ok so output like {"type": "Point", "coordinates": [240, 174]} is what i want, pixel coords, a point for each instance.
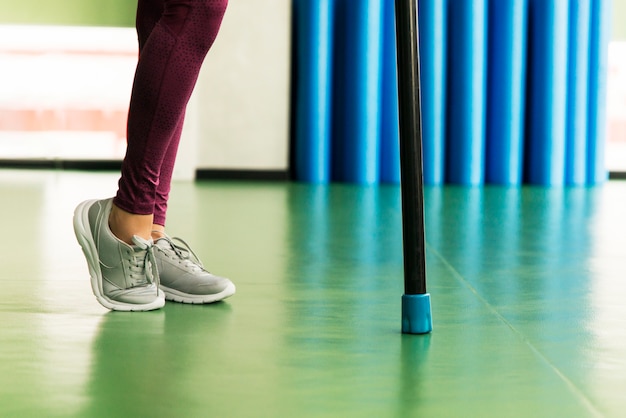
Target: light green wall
{"type": "Point", "coordinates": [619, 20]}
{"type": "Point", "coordinates": [69, 12]}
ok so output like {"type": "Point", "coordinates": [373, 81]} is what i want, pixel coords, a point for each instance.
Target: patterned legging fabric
{"type": "Point", "coordinates": [174, 38]}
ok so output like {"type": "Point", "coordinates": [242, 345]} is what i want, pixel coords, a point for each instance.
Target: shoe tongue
{"type": "Point", "coordinates": [163, 243]}
{"type": "Point", "coordinates": [168, 245]}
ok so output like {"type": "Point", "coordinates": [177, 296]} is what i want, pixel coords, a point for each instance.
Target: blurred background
{"type": "Point", "coordinates": [67, 70]}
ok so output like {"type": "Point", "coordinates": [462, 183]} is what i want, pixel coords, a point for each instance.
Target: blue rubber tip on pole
{"type": "Point", "coordinates": [417, 317]}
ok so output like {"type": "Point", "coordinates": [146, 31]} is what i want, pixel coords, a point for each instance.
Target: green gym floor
{"type": "Point", "coordinates": [528, 289]}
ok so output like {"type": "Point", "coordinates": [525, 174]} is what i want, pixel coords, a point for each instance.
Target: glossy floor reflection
{"type": "Point", "coordinates": [527, 286]}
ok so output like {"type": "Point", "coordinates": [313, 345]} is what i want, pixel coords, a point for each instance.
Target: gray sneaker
{"type": "Point", "coordinates": [123, 277]}
{"type": "Point", "coordinates": [182, 276]}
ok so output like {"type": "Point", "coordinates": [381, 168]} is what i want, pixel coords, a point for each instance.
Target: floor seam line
{"type": "Point", "coordinates": [590, 405]}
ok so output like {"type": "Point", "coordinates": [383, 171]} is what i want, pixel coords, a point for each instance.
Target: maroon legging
{"type": "Point", "coordinates": [174, 37]}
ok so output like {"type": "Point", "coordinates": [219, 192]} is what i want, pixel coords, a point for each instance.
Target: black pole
{"type": "Point", "coordinates": [416, 316]}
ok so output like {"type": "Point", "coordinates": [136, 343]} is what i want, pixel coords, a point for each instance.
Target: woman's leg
{"type": "Point", "coordinates": [148, 14]}
{"type": "Point", "coordinates": [115, 234]}
{"type": "Point", "coordinates": [169, 63]}
{"type": "Point", "coordinates": [163, 190]}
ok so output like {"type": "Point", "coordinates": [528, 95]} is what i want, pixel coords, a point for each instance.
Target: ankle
{"type": "Point", "coordinates": [124, 225]}
{"type": "Point", "coordinates": [158, 231]}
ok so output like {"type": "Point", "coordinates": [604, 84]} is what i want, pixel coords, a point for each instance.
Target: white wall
{"type": "Point", "coordinates": [238, 118]}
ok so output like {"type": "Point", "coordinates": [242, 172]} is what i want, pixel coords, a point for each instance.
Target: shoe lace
{"type": "Point", "coordinates": [183, 251]}
{"type": "Point", "coordinates": [143, 262]}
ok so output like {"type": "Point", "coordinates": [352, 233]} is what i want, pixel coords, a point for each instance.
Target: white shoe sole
{"type": "Point", "coordinates": [87, 243]}
{"type": "Point", "coordinates": [176, 296]}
